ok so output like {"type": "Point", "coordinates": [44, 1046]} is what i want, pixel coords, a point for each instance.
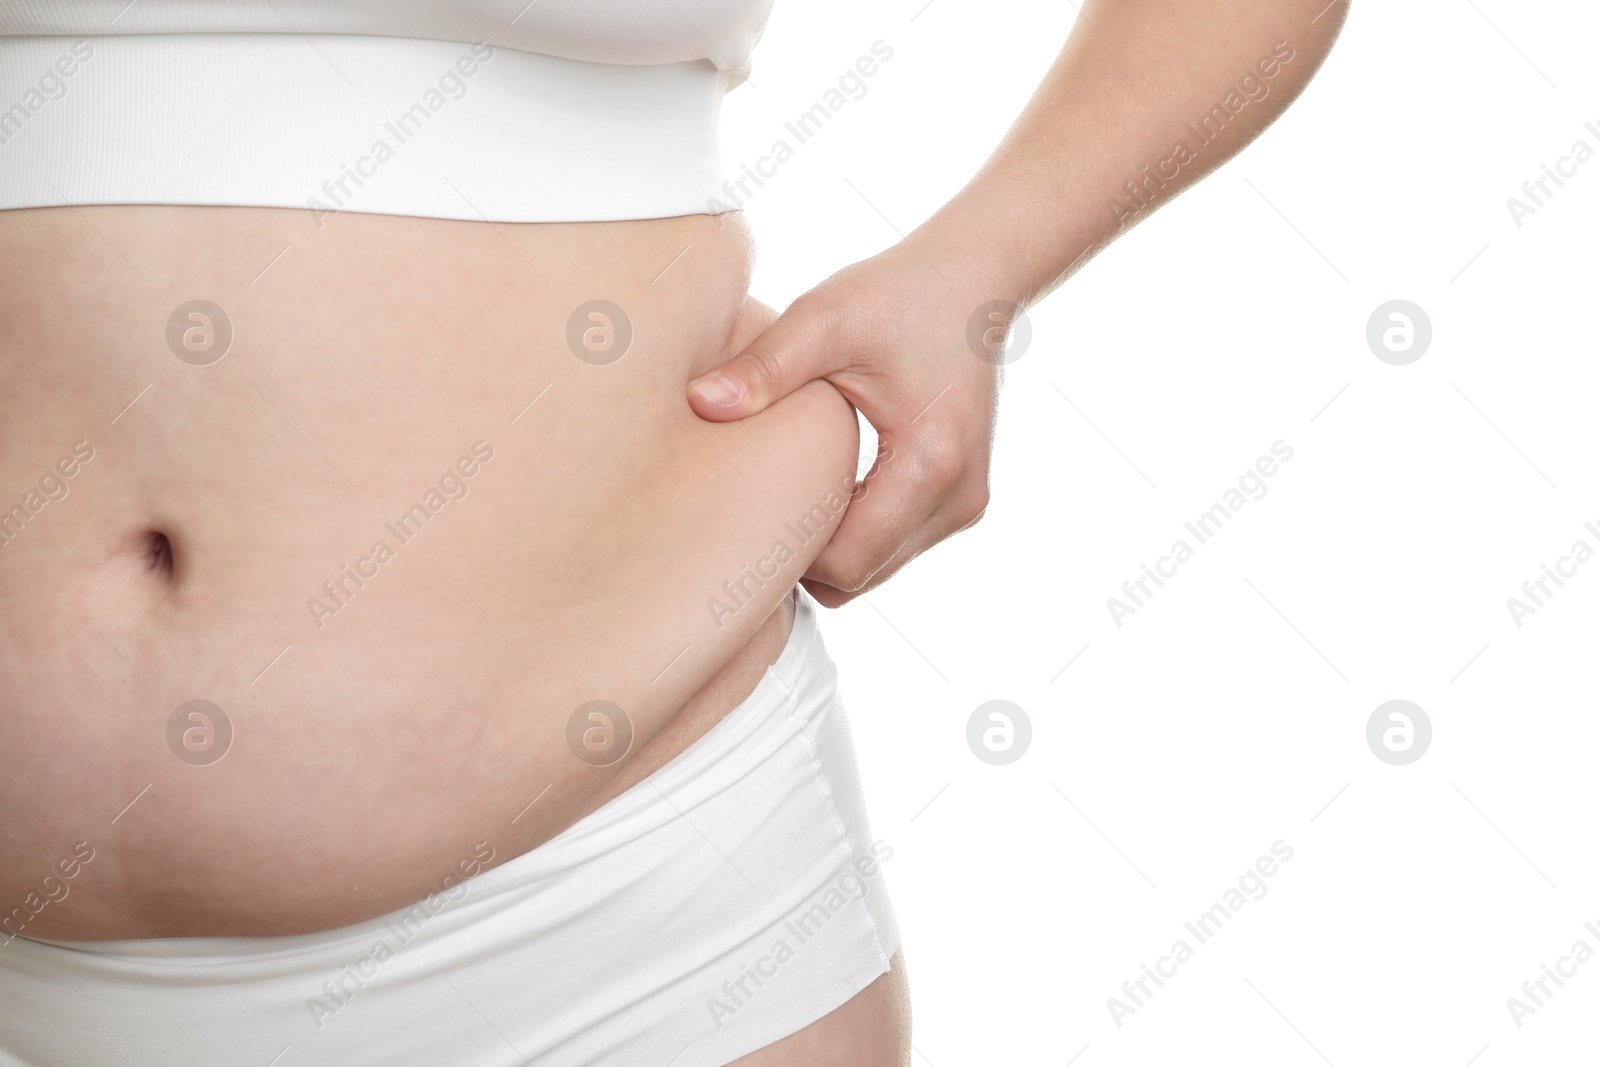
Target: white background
{"type": "Point", "coordinates": [1231, 711]}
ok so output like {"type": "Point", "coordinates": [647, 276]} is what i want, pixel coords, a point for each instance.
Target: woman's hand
{"type": "Point", "coordinates": [910, 336]}
{"type": "Point", "coordinates": [890, 333]}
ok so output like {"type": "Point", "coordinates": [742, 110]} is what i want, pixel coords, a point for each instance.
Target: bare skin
{"type": "Point", "coordinates": [432, 706]}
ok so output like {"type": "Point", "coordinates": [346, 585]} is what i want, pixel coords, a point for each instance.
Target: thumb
{"type": "Point", "coordinates": [782, 358]}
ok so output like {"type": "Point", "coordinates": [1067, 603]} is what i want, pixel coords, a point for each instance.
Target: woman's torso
{"type": "Point", "coordinates": [375, 486]}
{"type": "Point", "coordinates": [576, 524]}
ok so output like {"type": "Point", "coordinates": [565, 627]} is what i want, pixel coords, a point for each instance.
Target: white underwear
{"type": "Point", "coordinates": [728, 900]}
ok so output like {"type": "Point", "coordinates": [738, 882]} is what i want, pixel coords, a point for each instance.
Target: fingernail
{"type": "Point", "coordinates": [719, 390]}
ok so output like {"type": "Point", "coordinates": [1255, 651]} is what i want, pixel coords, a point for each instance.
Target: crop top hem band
{"type": "Point", "coordinates": [351, 122]}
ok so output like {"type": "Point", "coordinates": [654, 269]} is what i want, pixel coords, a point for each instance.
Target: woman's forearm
{"type": "Point", "coordinates": [1146, 98]}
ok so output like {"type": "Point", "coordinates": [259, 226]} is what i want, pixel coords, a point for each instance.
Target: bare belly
{"type": "Point", "coordinates": [401, 534]}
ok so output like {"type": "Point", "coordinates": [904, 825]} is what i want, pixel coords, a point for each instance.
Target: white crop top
{"type": "Point", "coordinates": [506, 110]}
